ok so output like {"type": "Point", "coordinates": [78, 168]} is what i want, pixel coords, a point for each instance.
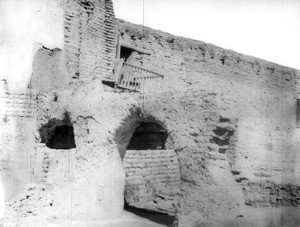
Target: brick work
{"type": "Point", "coordinates": [152, 179]}
{"type": "Point", "coordinates": [185, 59]}
{"type": "Point", "coordinates": [266, 193]}
{"type": "Point", "coordinates": [17, 105]}
{"type": "Point", "coordinates": [90, 40]}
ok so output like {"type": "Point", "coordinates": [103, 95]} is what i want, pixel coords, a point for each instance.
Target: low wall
{"type": "Point", "coordinates": [152, 179]}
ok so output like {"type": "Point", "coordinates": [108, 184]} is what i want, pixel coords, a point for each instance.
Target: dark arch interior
{"type": "Point", "coordinates": [125, 52]}
{"type": "Point", "coordinates": [58, 134]}
{"type": "Point", "coordinates": [148, 135]}
{"type": "Point", "coordinates": [62, 138]}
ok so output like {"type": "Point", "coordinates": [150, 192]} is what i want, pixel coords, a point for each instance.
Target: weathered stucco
{"type": "Point", "coordinates": [250, 142]}
{"type": "Point", "coordinates": [231, 152]}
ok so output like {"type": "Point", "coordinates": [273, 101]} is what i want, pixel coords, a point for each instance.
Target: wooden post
{"type": "Point", "coordinates": [119, 71]}
{"type": "Point", "coordinates": [118, 54]}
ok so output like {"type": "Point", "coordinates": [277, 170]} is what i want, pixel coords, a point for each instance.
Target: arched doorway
{"type": "Point", "coordinates": [148, 136]}
{"type": "Point", "coordinates": [152, 172]}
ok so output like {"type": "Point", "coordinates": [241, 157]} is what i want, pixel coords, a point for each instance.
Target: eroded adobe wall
{"type": "Point", "coordinates": [86, 181]}
{"type": "Point", "coordinates": [231, 119]}
{"type": "Point", "coordinates": [22, 37]}
{"type": "Point", "coordinates": [152, 179]}
{"type": "Point", "coordinates": [16, 124]}
{"type": "Point", "coordinates": [253, 134]}
{"type": "Point", "coordinates": [208, 189]}
{"type": "Point", "coordinates": [90, 177]}
{"type": "Point", "coordinates": [260, 94]}
{"type": "Point", "coordinates": [211, 191]}
{"type": "Point", "coordinates": [89, 39]}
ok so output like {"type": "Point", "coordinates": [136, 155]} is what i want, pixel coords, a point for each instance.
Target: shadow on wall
{"type": "Point", "coordinates": [148, 135]}
{"type": "Point", "coordinates": [159, 218]}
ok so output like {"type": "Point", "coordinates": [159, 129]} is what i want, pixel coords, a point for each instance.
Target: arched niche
{"type": "Point", "coordinates": [58, 134]}
{"type": "Point", "coordinates": [152, 175]}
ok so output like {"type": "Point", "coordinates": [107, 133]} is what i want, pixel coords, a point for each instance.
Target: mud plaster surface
{"type": "Point", "coordinates": [230, 120]}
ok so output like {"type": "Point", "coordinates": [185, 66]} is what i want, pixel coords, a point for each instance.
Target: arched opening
{"type": "Point", "coordinates": [148, 135]}
{"type": "Point", "coordinates": [152, 174]}
{"type": "Point", "coordinates": [58, 134]}
{"type": "Point", "coordinates": [62, 138]}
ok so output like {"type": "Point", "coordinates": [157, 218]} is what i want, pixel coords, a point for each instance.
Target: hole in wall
{"type": "Point", "coordinates": [58, 134]}
{"type": "Point", "coordinates": [125, 52]}
{"type": "Point", "coordinates": [109, 83]}
{"type": "Point", "coordinates": [222, 119]}
{"type": "Point", "coordinates": [222, 136]}
{"type": "Point", "coordinates": [62, 138]}
{"type": "Point", "coordinates": [170, 40]}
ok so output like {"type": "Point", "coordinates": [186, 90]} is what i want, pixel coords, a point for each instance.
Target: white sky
{"type": "Point", "coordinates": [268, 29]}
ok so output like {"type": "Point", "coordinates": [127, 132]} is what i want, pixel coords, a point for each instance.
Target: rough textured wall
{"type": "Point", "coordinates": [152, 179]}
{"type": "Point", "coordinates": [16, 141]}
{"type": "Point", "coordinates": [89, 39]}
{"type": "Point", "coordinates": [21, 37]}
{"type": "Point", "coordinates": [253, 130]}
{"type": "Point", "coordinates": [87, 181]}
{"type": "Point", "coordinates": [49, 71]}
{"type": "Point", "coordinates": [83, 183]}
{"type": "Point", "coordinates": [260, 94]}
{"type": "Point", "coordinates": [208, 188]}
{"type": "Point", "coordinates": [230, 119]}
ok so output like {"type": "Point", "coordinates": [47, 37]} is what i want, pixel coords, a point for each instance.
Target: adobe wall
{"type": "Point", "coordinates": [17, 122]}
{"type": "Point", "coordinates": [152, 179]}
{"type": "Point", "coordinates": [230, 119]}
{"type": "Point", "coordinates": [260, 95]}
{"type": "Point", "coordinates": [57, 77]}
{"type": "Point", "coordinates": [89, 39]}
{"type": "Point", "coordinates": [21, 36]}
{"type": "Point", "coordinates": [252, 130]}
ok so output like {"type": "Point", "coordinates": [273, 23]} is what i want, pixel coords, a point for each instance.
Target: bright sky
{"type": "Point", "coordinates": [268, 29]}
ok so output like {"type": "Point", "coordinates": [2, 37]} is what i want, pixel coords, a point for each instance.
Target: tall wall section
{"type": "Point", "coordinates": [89, 39]}
{"type": "Point", "coordinates": [55, 47]}
{"type": "Point", "coordinates": [253, 130]}
{"type": "Point", "coordinates": [81, 181]}
{"type": "Point", "coordinates": [21, 36]}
